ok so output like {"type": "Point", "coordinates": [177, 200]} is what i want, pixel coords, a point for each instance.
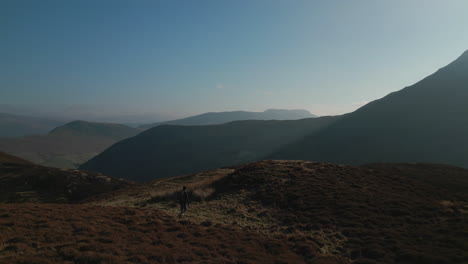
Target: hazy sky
{"type": "Point", "coordinates": [175, 58]}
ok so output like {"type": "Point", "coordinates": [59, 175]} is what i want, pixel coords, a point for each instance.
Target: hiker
{"type": "Point", "coordinates": [184, 201]}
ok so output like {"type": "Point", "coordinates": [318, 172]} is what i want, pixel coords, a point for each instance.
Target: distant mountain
{"type": "Point", "coordinates": [18, 126]}
{"type": "Point", "coordinates": [426, 122]}
{"type": "Point", "coordinates": [95, 129]}
{"type": "Point", "coordinates": [225, 117]}
{"type": "Point", "coordinates": [168, 150]}
{"type": "Point", "coordinates": [69, 145]}
{"type": "Point", "coordinates": [22, 181]}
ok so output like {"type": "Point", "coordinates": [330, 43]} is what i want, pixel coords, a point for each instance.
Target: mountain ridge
{"type": "Point", "coordinates": [214, 118]}
{"type": "Point", "coordinates": [420, 123]}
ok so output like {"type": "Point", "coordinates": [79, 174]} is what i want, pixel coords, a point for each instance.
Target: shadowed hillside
{"type": "Point", "coordinates": [365, 215]}
{"type": "Point", "coordinates": [24, 182]}
{"type": "Point", "coordinates": [69, 145]}
{"type": "Point", "coordinates": [166, 151]}
{"type": "Point", "coordinates": [425, 122]}
{"type": "Point", "coordinates": [225, 117]}
{"type": "Point", "coordinates": [452, 178]}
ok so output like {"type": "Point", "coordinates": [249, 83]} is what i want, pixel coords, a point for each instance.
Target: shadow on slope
{"type": "Point", "coordinates": [166, 151]}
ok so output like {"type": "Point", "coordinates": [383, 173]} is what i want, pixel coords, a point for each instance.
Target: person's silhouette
{"type": "Point", "coordinates": [184, 201]}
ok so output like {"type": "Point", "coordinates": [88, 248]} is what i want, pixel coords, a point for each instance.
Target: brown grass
{"type": "Point", "coordinates": [361, 214]}
{"type": "Point", "coordinates": [43, 233]}
{"type": "Point", "coordinates": [268, 212]}
{"type": "Point", "coordinates": [199, 191]}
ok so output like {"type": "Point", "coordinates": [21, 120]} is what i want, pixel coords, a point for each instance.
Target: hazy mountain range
{"type": "Point", "coordinates": [171, 150]}
{"type": "Point", "coordinates": [214, 118]}
{"type": "Point", "coordinates": [425, 122]}
{"type": "Point", "coordinates": [69, 145]}
{"type": "Point", "coordinates": [18, 125]}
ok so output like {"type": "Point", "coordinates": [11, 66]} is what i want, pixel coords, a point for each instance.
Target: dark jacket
{"type": "Point", "coordinates": [184, 198]}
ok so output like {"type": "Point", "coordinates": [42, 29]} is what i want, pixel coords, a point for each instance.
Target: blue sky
{"type": "Point", "coordinates": [166, 59]}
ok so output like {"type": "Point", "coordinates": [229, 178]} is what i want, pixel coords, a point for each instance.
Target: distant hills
{"type": "Point", "coordinates": [169, 150]}
{"type": "Point", "coordinates": [426, 122]}
{"type": "Point", "coordinates": [69, 145]}
{"type": "Point", "coordinates": [17, 125]}
{"type": "Point", "coordinates": [214, 118]}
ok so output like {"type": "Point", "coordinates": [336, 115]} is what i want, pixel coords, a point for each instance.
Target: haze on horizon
{"type": "Point", "coordinates": [157, 60]}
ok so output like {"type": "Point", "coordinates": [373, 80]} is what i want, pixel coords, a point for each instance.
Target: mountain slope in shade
{"type": "Point", "coordinates": [26, 182]}
{"type": "Point", "coordinates": [18, 126]}
{"type": "Point", "coordinates": [69, 145]}
{"type": "Point", "coordinates": [426, 122]}
{"type": "Point", "coordinates": [165, 151]}
{"type": "Point", "coordinates": [225, 117]}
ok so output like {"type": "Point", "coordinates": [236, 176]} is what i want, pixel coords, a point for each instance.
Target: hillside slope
{"type": "Point", "coordinates": [47, 233]}
{"type": "Point", "coordinates": [24, 182]}
{"type": "Point", "coordinates": [425, 122]}
{"type": "Point", "coordinates": [215, 118]}
{"type": "Point", "coordinates": [166, 151]}
{"type": "Point", "coordinates": [389, 214]}
{"type": "Point", "coordinates": [8, 158]}
{"type": "Point", "coordinates": [69, 145]}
